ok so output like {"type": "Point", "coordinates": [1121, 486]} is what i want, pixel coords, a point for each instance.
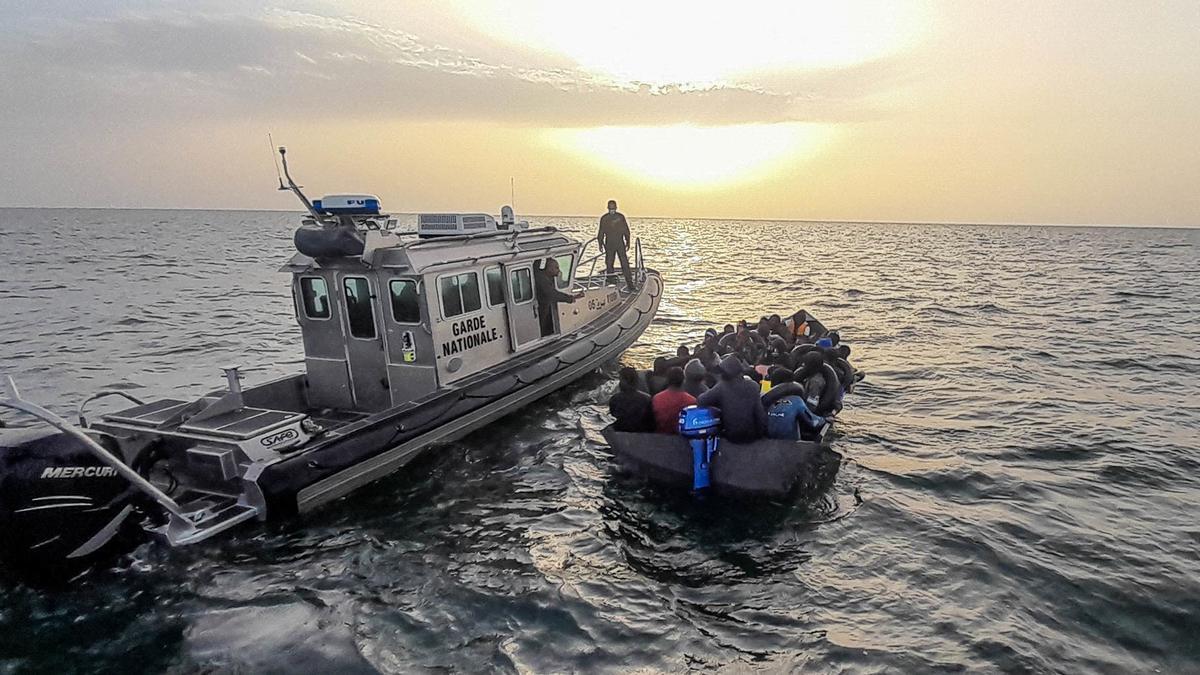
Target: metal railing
{"type": "Point", "coordinates": [104, 394]}
{"type": "Point", "coordinates": [592, 280]}
{"type": "Point", "coordinates": [14, 401]}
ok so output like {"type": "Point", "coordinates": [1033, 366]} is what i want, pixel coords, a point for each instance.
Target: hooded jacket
{"type": "Point", "coordinates": [694, 374]}
{"type": "Point", "coordinates": [742, 415]}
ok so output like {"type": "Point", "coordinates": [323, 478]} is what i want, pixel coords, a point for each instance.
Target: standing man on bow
{"type": "Point", "coordinates": [613, 239]}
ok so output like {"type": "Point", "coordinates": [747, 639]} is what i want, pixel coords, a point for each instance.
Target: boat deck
{"type": "Point", "coordinates": [236, 425]}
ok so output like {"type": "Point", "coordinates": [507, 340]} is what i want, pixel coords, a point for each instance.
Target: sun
{"type": "Point", "coordinates": [686, 156]}
{"type": "Point", "coordinates": [700, 42]}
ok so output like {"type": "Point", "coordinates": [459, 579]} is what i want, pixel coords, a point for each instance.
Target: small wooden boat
{"type": "Point", "coordinates": [764, 468]}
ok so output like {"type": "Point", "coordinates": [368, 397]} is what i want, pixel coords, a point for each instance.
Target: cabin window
{"type": "Point", "coordinates": [460, 294]}
{"type": "Point", "coordinates": [564, 270]}
{"type": "Point", "coordinates": [522, 285]}
{"type": "Point", "coordinates": [406, 306]}
{"type": "Point", "coordinates": [315, 295]}
{"type": "Point", "coordinates": [359, 313]}
{"type": "Point", "coordinates": [495, 286]}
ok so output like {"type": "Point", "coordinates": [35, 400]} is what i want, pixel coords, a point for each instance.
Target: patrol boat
{"type": "Point", "coordinates": [410, 339]}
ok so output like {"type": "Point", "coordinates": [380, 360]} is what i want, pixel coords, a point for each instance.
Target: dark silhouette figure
{"type": "Point", "coordinates": [613, 238]}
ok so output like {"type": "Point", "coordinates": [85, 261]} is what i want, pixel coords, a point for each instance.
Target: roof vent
{"type": "Point", "coordinates": [451, 224]}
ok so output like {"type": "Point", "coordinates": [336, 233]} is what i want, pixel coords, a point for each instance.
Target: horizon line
{"type": "Point", "coordinates": [1141, 226]}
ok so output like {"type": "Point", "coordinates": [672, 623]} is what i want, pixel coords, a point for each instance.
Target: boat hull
{"type": "Point", "coordinates": [765, 468]}
{"type": "Point", "coordinates": [383, 443]}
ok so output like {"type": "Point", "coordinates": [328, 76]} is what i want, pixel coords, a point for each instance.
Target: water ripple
{"type": "Point", "coordinates": [1018, 492]}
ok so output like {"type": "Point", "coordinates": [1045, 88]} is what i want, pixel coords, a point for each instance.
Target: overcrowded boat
{"type": "Point", "coordinates": [747, 412]}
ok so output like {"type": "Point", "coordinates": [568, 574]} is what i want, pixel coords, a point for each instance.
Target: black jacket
{"type": "Point", "coordinates": [743, 418]}
{"type": "Point", "coordinates": [548, 294]}
{"type": "Point", "coordinates": [632, 410]}
{"type": "Point", "coordinates": [614, 232]}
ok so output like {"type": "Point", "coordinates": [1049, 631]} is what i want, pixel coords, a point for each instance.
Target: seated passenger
{"type": "Point", "coordinates": [656, 379]}
{"type": "Point", "coordinates": [668, 402]}
{"type": "Point", "coordinates": [822, 390]}
{"type": "Point", "coordinates": [847, 375]}
{"type": "Point", "coordinates": [782, 384]}
{"type": "Point", "coordinates": [695, 377]}
{"type": "Point", "coordinates": [630, 406]}
{"type": "Point", "coordinates": [747, 344]}
{"type": "Point", "coordinates": [789, 416]}
{"type": "Point", "coordinates": [742, 414]}
{"type": "Point", "coordinates": [797, 326]}
{"type": "Point", "coordinates": [763, 328]}
{"type": "Point", "coordinates": [682, 356]}
{"type": "Point", "coordinates": [775, 323]}
{"type": "Point", "coordinates": [777, 351]}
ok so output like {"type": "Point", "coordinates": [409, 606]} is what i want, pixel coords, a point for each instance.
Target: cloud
{"type": "Point", "coordinates": [133, 66]}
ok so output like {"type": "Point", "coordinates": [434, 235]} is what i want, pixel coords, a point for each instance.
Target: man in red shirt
{"type": "Point", "coordinates": [668, 402]}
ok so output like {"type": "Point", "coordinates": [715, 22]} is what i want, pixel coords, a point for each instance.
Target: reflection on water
{"type": "Point", "coordinates": [1018, 494]}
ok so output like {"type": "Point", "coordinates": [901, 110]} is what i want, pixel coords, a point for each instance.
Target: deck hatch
{"type": "Point", "coordinates": [244, 423]}
{"type": "Point", "coordinates": [149, 415]}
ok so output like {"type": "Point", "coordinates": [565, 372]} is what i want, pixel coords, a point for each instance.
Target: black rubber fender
{"type": "Point", "coordinates": [608, 335]}
{"type": "Point", "coordinates": [829, 396]}
{"type": "Point", "coordinates": [577, 352]}
{"type": "Point", "coordinates": [538, 370]}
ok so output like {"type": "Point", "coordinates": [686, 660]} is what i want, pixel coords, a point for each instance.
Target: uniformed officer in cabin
{"type": "Point", "coordinates": [548, 295]}
{"type": "Point", "coordinates": [613, 238]}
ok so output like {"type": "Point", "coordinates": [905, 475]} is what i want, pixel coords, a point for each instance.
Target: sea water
{"type": "Point", "coordinates": [1020, 490]}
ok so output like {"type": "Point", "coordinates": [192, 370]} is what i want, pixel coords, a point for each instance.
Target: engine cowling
{"type": "Point", "coordinates": [59, 504]}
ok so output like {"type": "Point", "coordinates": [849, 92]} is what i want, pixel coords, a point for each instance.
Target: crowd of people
{"type": "Point", "coordinates": [777, 378]}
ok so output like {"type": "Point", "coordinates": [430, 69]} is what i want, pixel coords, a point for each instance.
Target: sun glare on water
{"type": "Point", "coordinates": [687, 156]}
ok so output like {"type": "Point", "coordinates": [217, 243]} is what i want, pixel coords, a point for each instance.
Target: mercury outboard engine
{"type": "Point", "coordinates": [700, 426]}
{"type": "Point", "coordinates": [59, 504]}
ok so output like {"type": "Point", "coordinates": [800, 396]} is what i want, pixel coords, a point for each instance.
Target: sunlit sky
{"type": "Point", "coordinates": [900, 110]}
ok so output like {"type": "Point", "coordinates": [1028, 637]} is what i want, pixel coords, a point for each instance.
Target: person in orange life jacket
{"type": "Point", "coordinates": [613, 239]}
{"type": "Point", "coordinates": [803, 324]}
{"type": "Point", "coordinates": [631, 406]}
{"type": "Point", "coordinates": [668, 402]}
{"type": "Point", "coordinates": [797, 325]}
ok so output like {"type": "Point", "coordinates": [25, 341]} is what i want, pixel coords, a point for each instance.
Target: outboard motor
{"type": "Point", "coordinates": [59, 504]}
{"type": "Point", "coordinates": [700, 426]}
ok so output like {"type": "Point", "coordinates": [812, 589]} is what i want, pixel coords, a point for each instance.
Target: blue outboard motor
{"type": "Point", "coordinates": [700, 426]}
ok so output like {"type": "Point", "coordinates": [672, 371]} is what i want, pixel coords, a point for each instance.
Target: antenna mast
{"type": "Point", "coordinates": [275, 159]}
{"type": "Point", "coordinates": [291, 185]}
{"type": "Point", "coordinates": [512, 193]}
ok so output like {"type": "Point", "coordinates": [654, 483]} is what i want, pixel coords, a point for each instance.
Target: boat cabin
{"type": "Point", "coordinates": [413, 315]}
